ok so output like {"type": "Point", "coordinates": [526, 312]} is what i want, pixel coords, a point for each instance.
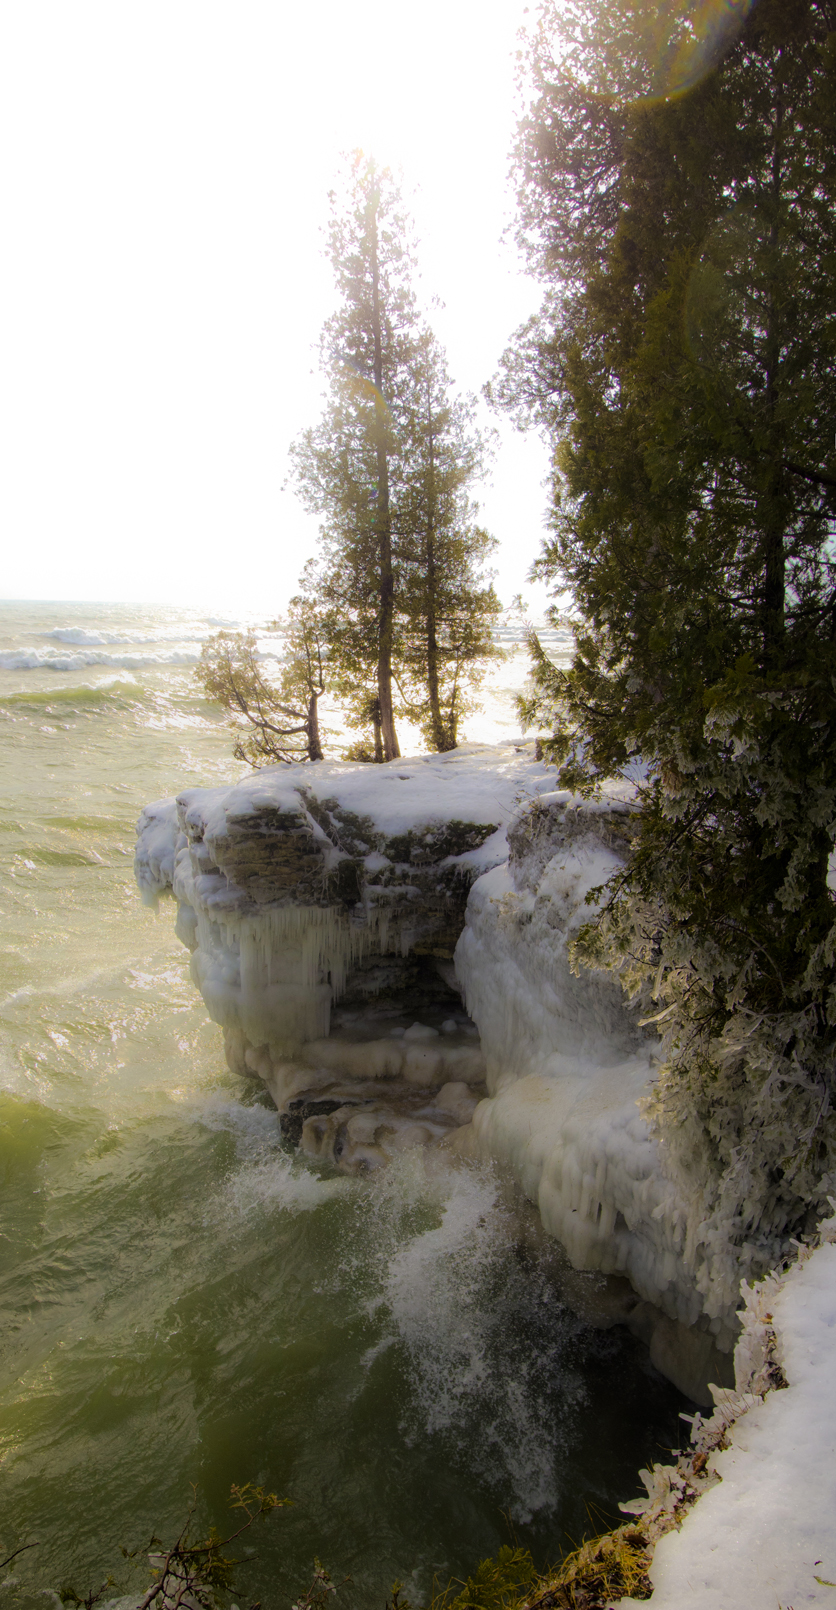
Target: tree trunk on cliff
{"type": "Point", "coordinates": [314, 739]}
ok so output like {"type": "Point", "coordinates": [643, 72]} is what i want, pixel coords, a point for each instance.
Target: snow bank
{"type": "Point", "coordinates": [765, 1534]}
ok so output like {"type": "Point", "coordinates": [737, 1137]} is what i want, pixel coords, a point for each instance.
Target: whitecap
{"type": "Point", "coordinates": [278, 1182]}
{"type": "Point", "coordinates": [54, 660]}
{"type": "Point", "coordinates": [267, 1177]}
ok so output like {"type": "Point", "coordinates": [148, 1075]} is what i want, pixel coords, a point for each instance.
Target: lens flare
{"type": "Point", "coordinates": [691, 40]}
{"type": "Point", "coordinates": [362, 386]}
{"type": "Point", "coordinates": [647, 54]}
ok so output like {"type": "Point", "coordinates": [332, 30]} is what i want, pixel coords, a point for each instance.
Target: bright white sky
{"type": "Point", "coordinates": [163, 183]}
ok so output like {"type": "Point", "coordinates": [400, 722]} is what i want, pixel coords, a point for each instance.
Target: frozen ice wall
{"type": "Point", "coordinates": [567, 1067]}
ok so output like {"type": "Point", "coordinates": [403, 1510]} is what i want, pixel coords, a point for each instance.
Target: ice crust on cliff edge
{"type": "Point", "coordinates": [766, 1534]}
{"type": "Point", "coordinates": [263, 876]}
{"type": "Point", "coordinates": [288, 878]}
{"type": "Point", "coordinates": [567, 1068]}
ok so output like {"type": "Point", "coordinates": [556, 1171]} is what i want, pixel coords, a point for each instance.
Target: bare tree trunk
{"type": "Point", "coordinates": [386, 582]}
{"type": "Point", "coordinates": [441, 737]}
{"type": "Point", "coordinates": [374, 712]}
{"type": "Point", "coordinates": [314, 741]}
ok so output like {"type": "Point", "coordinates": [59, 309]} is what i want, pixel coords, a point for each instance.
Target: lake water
{"type": "Point", "coordinates": [185, 1304]}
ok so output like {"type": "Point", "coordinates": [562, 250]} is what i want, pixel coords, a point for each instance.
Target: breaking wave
{"type": "Point", "coordinates": [487, 1342]}
{"type": "Point", "coordinates": [111, 690]}
{"type": "Point", "coordinates": [53, 660]}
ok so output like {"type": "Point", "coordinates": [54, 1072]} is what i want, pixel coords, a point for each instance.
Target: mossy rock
{"type": "Point", "coordinates": [437, 842]}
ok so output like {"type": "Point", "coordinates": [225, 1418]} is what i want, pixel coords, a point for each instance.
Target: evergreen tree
{"type": "Point", "coordinates": [346, 465]}
{"type": "Point", "coordinates": [684, 364]}
{"type": "Point", "coordinates": [449, 603]}
{"type": "Point", "coordinates": [389, 467]}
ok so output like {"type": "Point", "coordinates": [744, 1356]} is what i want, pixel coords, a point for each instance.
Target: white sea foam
{"type": "Point", "coordinates": [278, 1182]}
{"type": "Point", "coordinates": [97, 639]}
{"type": "Point", "coordinates": [255, 1126]}
{"type": "Point", "coordinates": [104, 636]}
{"type": "Point", "coordinates": [266, 1177]}
{"type": "Point", "coordinates": [179, 642]}
{"type": "Point", "coordinates": [48, 659]}
{"type": "Point", "coordinates": [433, 1285]}
{"type": "Point", "coordinates": [470, 1319]}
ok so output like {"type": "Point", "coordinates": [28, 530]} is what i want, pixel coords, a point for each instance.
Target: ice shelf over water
{"type": "Point", "coordinates": [350, 924]}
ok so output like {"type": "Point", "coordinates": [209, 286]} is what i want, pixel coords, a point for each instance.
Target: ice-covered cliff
{"type": "Point", "coordinates": [350, 924]}
{"type": "Point", "coordinates": [322, 905]}
{"type": "Point", "coordinates": [567, 1067]}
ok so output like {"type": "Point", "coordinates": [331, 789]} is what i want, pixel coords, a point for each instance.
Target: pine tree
{"type": "Point", "coordinates": [684, 365]}
{"type": "Point", "coordinates": [390, 467]}
{"type": "Point", "coordinates": [448, 601]}
{"type": "Point", "coordinates": [346, 465]}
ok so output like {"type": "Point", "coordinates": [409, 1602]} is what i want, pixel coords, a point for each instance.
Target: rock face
{"type": "Point", "coordinates": [387, 948]}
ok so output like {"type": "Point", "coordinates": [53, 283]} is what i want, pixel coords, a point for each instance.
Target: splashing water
{"type": "Point", "coordinates": [488, 1342]}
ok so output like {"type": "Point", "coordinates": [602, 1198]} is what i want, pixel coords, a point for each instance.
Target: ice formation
{"type": "Point", "coordinates": [567, 1068]}
{"type": "Point", "coordinates": [338, 913]}
{"type": "Point", "coordinates": [310, 887]}
{"type": "Point", "coordinates": [339, 917]}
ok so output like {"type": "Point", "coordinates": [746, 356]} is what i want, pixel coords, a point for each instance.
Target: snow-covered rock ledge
{"type": "Point", "coordinates": [322, 905]}
{"type": "Point", "coordinates": [764, 1466]}
{"type": "Point", "coordinates": [341, 918]}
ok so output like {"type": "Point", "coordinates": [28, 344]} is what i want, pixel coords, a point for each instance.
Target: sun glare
{"type": "Point", "coordinates": [163, 286]}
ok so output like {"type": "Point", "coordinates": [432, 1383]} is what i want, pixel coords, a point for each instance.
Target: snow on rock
{"type": "Point", "coordinates": [765, 1534]}
{"type": "Point", "coordinates": [337, 857]}
{"type": "Point", "coordinates": [306, 886]}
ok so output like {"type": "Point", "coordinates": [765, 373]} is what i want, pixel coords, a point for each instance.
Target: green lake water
{"type": "Point", "coordinates": [184, 1304]}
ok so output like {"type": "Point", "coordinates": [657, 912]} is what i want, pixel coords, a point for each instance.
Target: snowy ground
{"type": "Point", "coordinates": [765, 1536]}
